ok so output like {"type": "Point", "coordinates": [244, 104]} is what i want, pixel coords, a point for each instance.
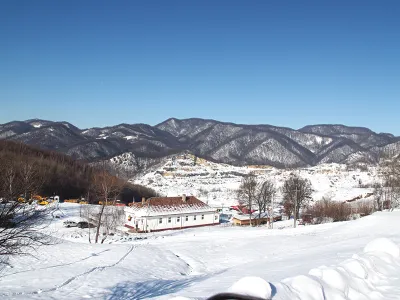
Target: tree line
{"type": "Point", "coordinates": [26, 171]}
{"type": "Point", "coordinates": [387, 188]}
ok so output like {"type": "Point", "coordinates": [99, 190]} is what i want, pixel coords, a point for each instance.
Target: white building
{"type": "Point", "coordinates": [164, 213]}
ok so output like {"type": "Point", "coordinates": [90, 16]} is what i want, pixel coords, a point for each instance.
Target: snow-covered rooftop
{"type": "Point", "coordinates": [158, 206]}
{"type": "Point", "coordinates": [244, 217]}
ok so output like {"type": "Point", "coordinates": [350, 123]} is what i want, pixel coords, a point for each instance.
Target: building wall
{"type": "Point", "coordinates": [176, 221]}
{"type": "Point", "coordinates": [247, 222]}
{"type": "Point", "coordinates": [236, 221]}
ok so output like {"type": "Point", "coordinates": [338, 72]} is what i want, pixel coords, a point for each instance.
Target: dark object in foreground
{"type": "Point", "coordinates": [85, 225]}
{"type": "Point", "coordinates": [233, 296]}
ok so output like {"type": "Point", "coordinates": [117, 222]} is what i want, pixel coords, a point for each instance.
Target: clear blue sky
{"type": "Point", "coordinates": [288, 63]}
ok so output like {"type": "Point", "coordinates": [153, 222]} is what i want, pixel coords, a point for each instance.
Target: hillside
{"type": "Point", "coordinates": [217, 184]}
{"type": "Point", "coordinates": [26, 170]}
{"type": "Point", "coordinates": [221, 142]}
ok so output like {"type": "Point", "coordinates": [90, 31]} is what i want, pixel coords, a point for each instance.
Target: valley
{"type": "Point", "coordinates": [217, 184]}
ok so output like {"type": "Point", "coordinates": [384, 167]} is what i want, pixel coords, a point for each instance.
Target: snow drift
{"type": "Point", "coordinates": [371, 274]}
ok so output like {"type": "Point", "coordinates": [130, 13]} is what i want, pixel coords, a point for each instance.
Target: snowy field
{"type": "Point", "coordinates": [312, 262]}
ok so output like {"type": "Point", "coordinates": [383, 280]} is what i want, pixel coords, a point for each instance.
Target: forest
{"type": "Point", "coordinates": [26, 170]}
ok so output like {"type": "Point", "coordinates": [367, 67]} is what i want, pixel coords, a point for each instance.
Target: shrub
{"type": "Point", "coordinates": [327, 209]}
{"type": "Point", "coordinates": [365, 208]}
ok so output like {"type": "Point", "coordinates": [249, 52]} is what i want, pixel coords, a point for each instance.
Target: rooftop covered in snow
{"type": "Point", "coordinates": [157, 206]}
{"type": "Point", "coordinates": [254, 216]}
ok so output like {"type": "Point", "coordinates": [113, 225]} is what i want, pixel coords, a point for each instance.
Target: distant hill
{"type": "Point", "coordinates": [221, 142]}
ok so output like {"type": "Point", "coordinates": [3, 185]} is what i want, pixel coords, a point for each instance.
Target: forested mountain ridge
{"type": "Point", "coordinates": [222, 142]}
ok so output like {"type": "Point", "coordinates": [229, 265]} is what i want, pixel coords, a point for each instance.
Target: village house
{"type": "Point", "coordinates": [165, 213]}
{"type": "Point", "coordinates": [256, 219]}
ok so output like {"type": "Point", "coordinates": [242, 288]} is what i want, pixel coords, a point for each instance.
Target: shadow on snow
{"type": "Point", "coordinates": [153, 288]}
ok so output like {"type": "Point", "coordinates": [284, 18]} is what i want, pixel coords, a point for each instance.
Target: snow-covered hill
{"type": "Point", "coordinates": [217, 183]}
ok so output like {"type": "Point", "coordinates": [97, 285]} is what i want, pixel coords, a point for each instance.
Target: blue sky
{"type": "Point", "coordinates": [287, 63]}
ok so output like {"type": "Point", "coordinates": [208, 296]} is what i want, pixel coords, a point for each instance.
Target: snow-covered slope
{"type": "Point", "coordinates": [217, 183]}
{"type": "Point", "coordinates": [344, 260]}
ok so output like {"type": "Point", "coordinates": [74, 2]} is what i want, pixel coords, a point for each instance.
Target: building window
{"type": "Point", "coordinates": [178, 219]}
{"type": "Point", "coordinates": [187, 218]}
{"type": "Point", "coordinates": [216, 217]}
{"type": "Point", "coordinates": [160, 220]}
{"type": "Point", "coordinates": [202, 217]}
{"type": "Point", "coordinates": [194, 218]}
{"type": "Point", "coordinates": [169, 220]}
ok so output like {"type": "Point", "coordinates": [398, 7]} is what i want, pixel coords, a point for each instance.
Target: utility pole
{"type": "Point", "coordinates": [295, 206]}
{"type": "Point", "coordinates": [272, 211]}
{"type": "Point", "coordinates": [250, 207]}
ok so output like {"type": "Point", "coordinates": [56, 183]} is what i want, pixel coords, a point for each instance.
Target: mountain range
{"type": "Point", "coordinates": [222, 142]}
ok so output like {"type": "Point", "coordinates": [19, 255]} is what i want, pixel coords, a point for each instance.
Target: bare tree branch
{"type": "Point", "coordinates": [247, 192]}
{"type": "Point", "coordinates": [265, 194]}
{"type": "Point", "coordinates": [21, 224]}
{"type": "Point", "coordinates": [296, 192]}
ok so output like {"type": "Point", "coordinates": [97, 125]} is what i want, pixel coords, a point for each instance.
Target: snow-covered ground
{"type": "Point", "coordinates": [309, 262]}
{"type": "Point", "coordinates": [217, 183]}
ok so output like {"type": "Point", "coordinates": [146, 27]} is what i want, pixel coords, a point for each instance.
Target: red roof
{"type": "Point", "coordinates": [168, 205]}
{"type": "Point", "coordinates": [242, 208]}
{"type": "Point", "coordinates": [170, 202]}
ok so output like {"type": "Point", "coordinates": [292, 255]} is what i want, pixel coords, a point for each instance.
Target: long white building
{"type": "Point", "coordinates": [164, 213]}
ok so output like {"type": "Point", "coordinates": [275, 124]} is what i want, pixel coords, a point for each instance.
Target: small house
{"type": "Point", "coordinates": [256, 219]}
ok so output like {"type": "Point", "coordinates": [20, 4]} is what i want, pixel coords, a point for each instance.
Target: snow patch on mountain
{"type": "Point", "coordinates": [130, 137]}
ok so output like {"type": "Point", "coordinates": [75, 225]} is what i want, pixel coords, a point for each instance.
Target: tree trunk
{"type": "Point", "coordinates": [90, 241]}
{"type": "Point", "coordinates": [99, 224]}
{"type": "Point", "coordinates": [104, 238]}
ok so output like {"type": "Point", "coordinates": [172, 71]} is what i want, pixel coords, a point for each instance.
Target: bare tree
{"type": "Point", "coordinates": [27, 178]}
{"type": "Point", "coordinates": [247, 191]}
{"type": "Point", "coordinates": [113, 216]}
{"type": "Point", "coordinates": [379, 196]}
{"type": "Point", "coordinates": [10, 180]}
{"type": "Point", "coordinates": [89, 213]}
{"type": "Point", "coordinates": [296, 192]}
{"type": "Point", "coordinates": [389, 170]}
{"type": "Point", "coordinates": [108, 188]}
{"type": "Point", "coordinates": [266, 192]}
{"type": "Point", "coordinates": [21, 224]}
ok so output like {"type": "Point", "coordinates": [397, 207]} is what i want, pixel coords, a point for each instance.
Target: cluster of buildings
{"type": "Point", "coordinates": [166, 213]}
